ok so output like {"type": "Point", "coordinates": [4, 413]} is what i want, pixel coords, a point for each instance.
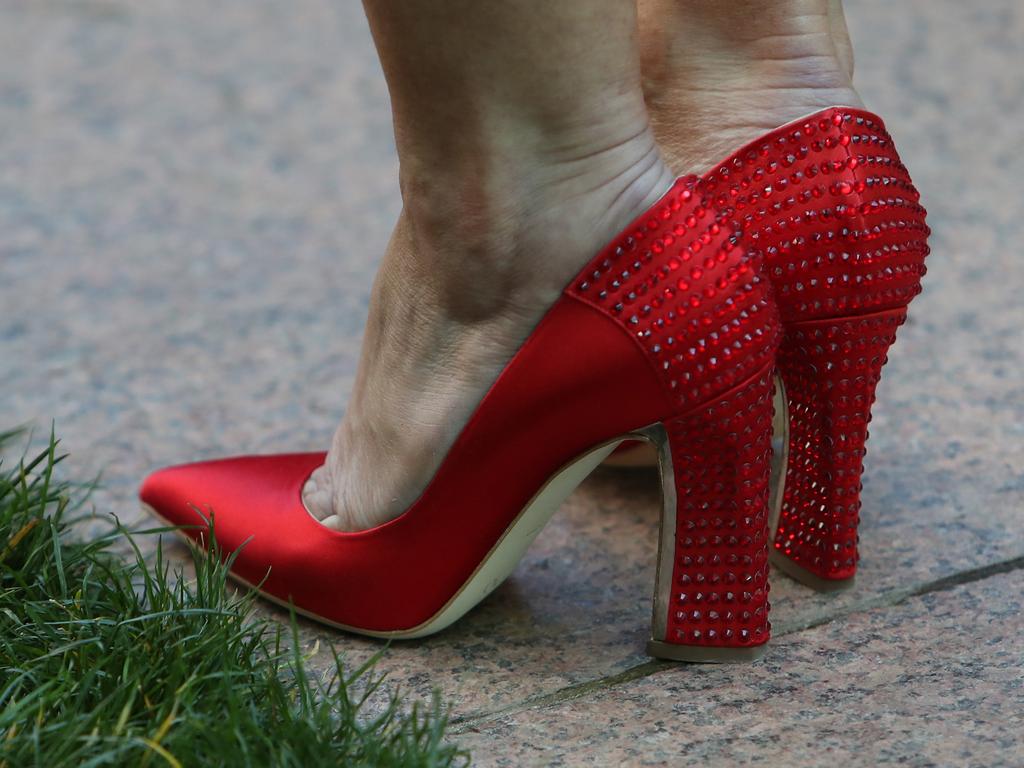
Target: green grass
{"type": "Point", "coordinates": [106, 660]}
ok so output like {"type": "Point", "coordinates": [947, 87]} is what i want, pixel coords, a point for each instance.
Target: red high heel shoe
{"type": "Point", "coordinates": [829, 203]}
{"type": "Point", "coordinates": [669, 334]}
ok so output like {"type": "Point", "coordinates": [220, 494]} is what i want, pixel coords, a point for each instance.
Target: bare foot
{"type": "Point", "coordinates": [475, 261]}
{"type": "Point", "coordinates": [492, 232]}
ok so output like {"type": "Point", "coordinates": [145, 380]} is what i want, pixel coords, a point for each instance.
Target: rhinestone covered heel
{"type": "Point", "coordinates": [712, 592]}
{"type": "Point", "coordinates": [830, 369]}
{"type": "Point", "coordinates": [839, 221]}
{"type": "Point", "coordinates": [704, 321]}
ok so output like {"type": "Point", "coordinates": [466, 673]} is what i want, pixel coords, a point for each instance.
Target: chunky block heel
{"type": "Point", "coordinates": [829, 370]}
{"type": "Point", "coordinates": [839, 220]}
{"type": "Point", "coordinates": [711, 600]}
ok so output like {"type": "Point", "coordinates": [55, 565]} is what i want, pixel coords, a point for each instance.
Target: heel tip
{"type": "Point", "coordinates": [807, 578]}
{"type": "Point", "coordinates": [701, 654]}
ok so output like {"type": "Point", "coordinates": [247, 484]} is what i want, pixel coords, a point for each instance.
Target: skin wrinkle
{"type": "Point", "coordinates": [841, 36]}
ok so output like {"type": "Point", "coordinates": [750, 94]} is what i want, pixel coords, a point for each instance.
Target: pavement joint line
{"type": "Point", "coordinates": [890, 598]}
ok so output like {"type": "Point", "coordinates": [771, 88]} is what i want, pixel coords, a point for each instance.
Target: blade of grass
{"type": "Point", "coordinates": [107, 660]}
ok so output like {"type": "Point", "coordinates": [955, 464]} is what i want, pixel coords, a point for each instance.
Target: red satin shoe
{"type": "Point", "coordinates": [834, 211]}
{"type": "Point", "coordinates": [669, 335]}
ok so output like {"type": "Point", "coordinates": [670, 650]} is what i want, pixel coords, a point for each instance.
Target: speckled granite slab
{"type": "Point", "coordinates": [192, 206]}
{"type": "Point", "coordinates": [935, 682]}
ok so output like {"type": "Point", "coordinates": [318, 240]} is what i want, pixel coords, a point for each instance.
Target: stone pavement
{"type": "Point", "coordinates": [193, 199]}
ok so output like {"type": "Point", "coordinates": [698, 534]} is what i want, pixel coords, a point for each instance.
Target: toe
{"type": "Point", "coordinates": [243, 496]}
{"type": "Point", "coordinates": [316, 495]}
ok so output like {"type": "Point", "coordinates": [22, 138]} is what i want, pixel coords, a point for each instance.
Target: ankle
{"type": "Point", "coordinates": [497, 228]}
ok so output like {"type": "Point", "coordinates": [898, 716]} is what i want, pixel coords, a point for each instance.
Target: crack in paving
{"type": "Point", "coordinates": [892, 597]}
